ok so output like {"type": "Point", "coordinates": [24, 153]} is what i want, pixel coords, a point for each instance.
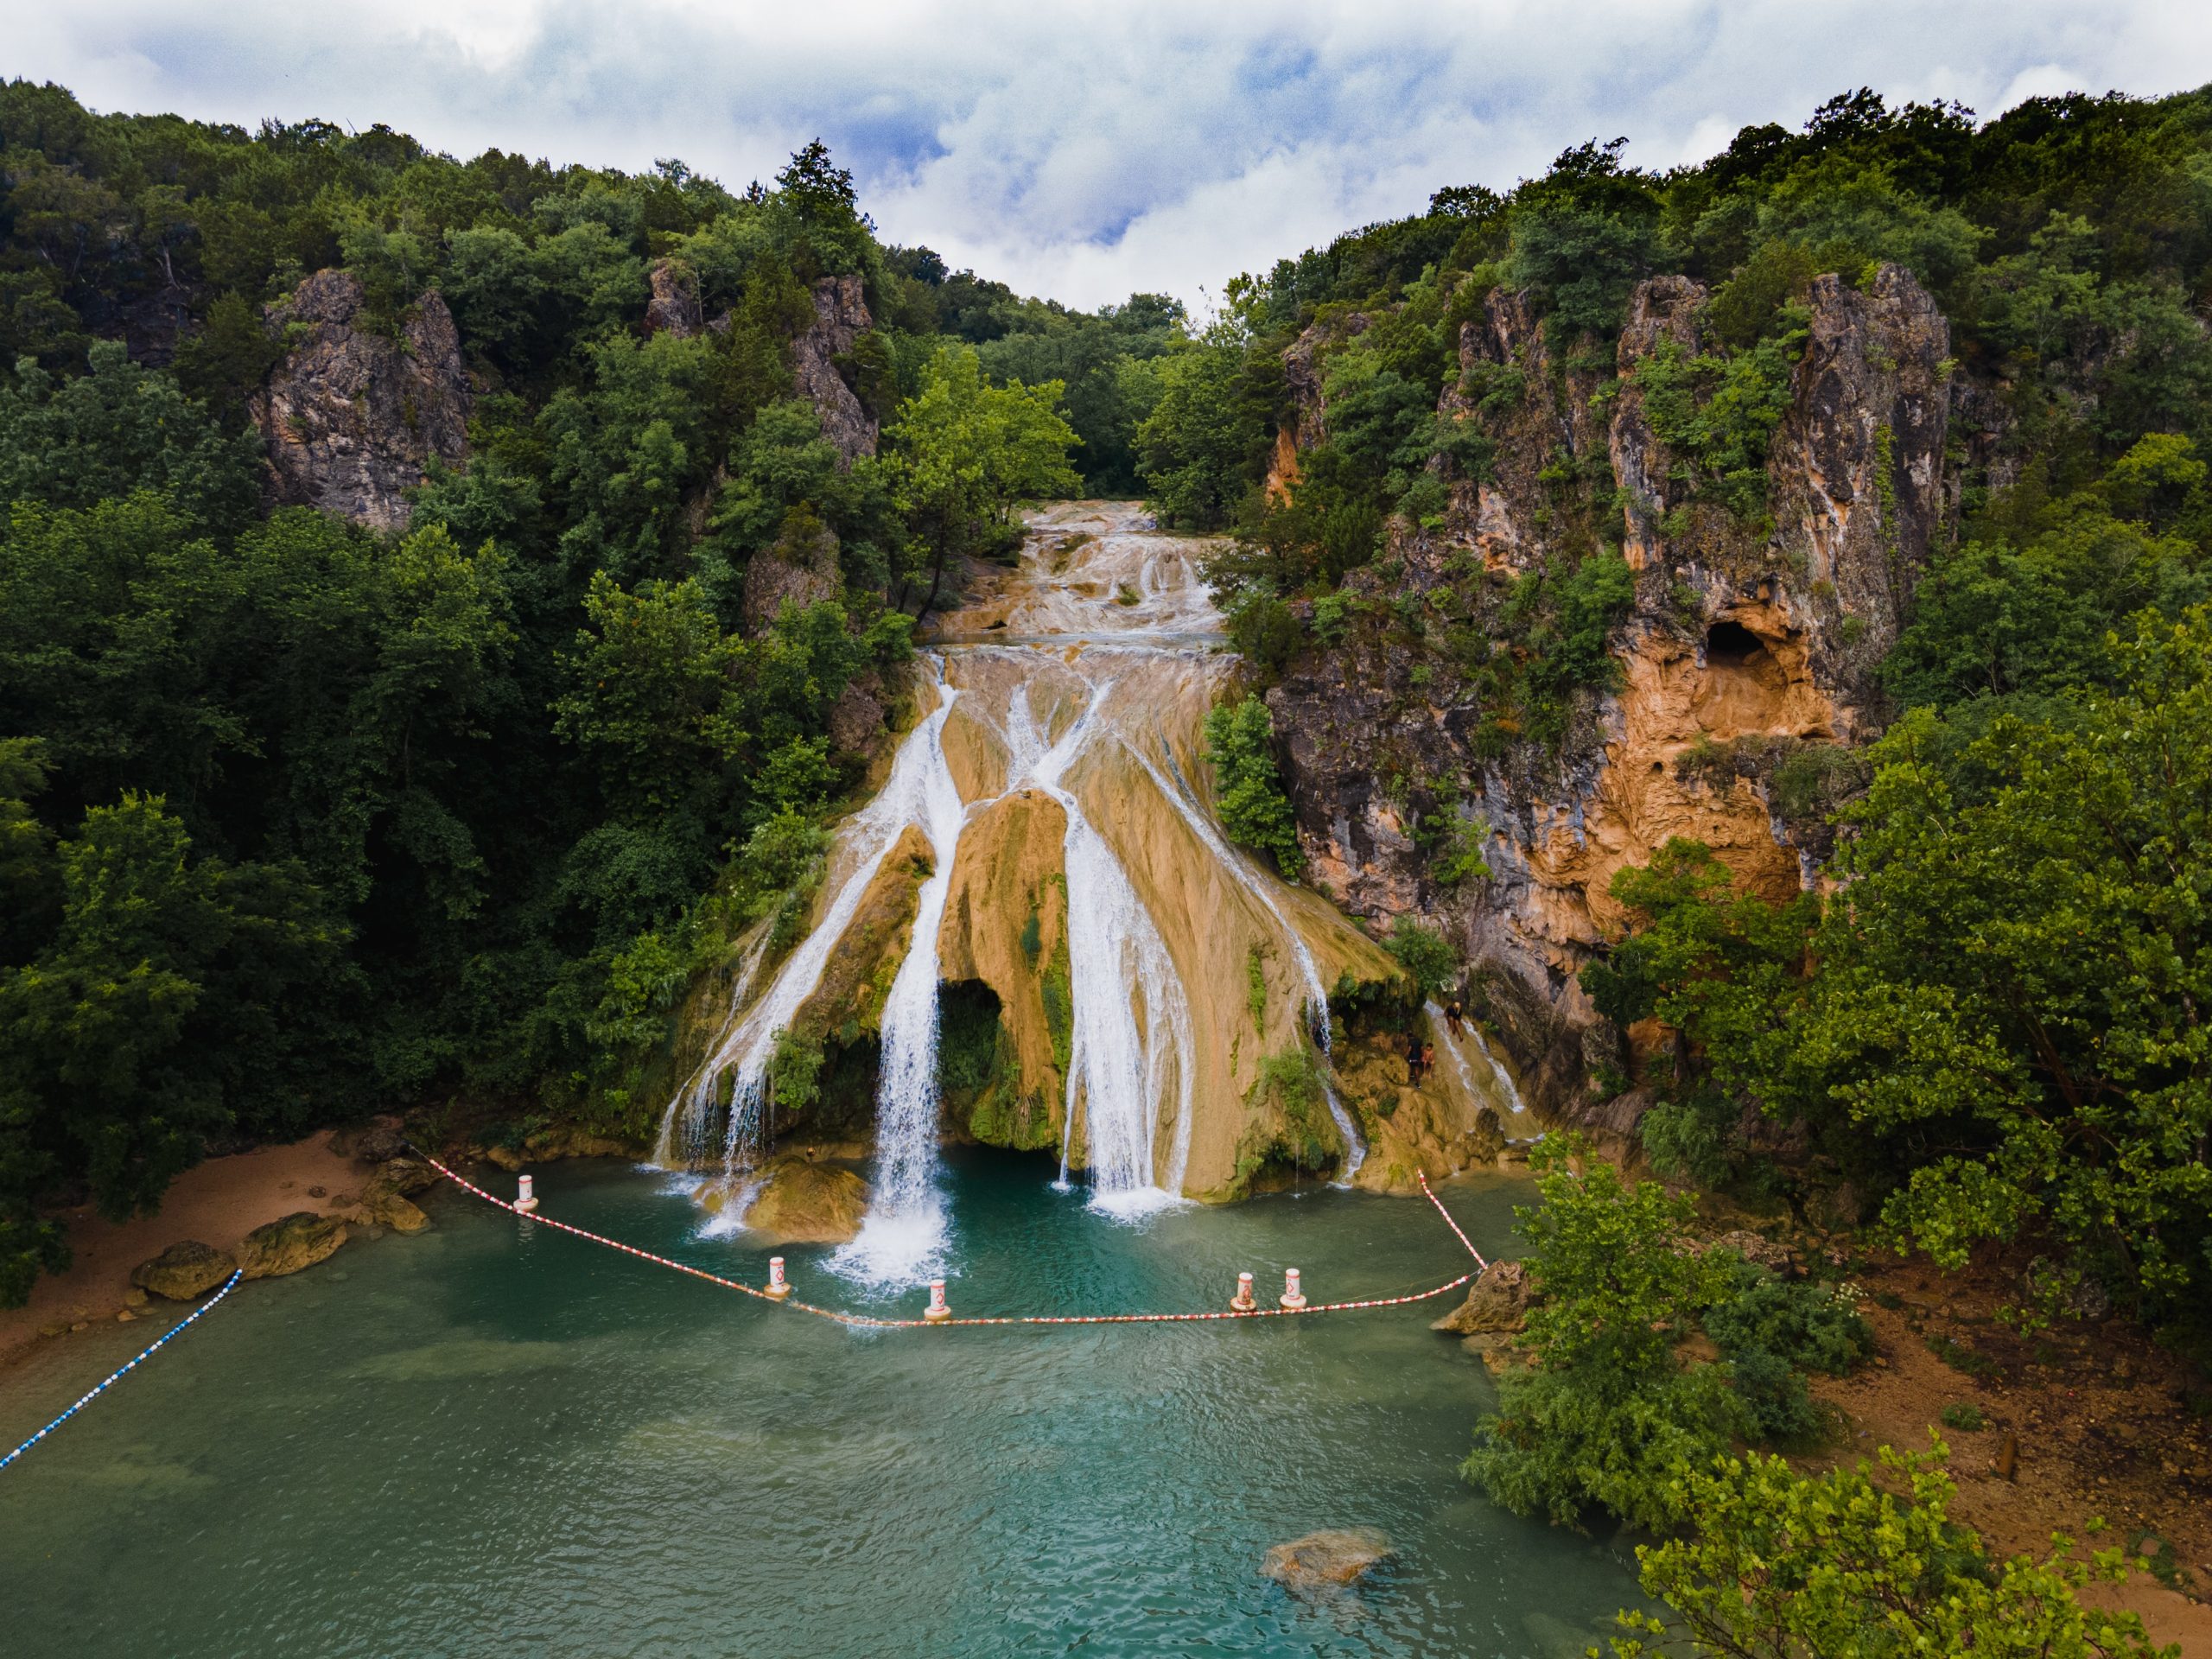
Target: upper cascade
{"type": "Point", "coordinates": [1037, 933]}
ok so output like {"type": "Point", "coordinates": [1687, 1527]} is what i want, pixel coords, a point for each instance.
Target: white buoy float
{"type": "Point", "coordinates": [778, 1286]}
{"type": "Point", "coordinates": [1292, 1296]}
{"type": "Point", "coordinates": [937, 1310]}
{"type": "Point", "coordinates": [525, 1195]}
{"type": "Point", "coordinates": [1244, 1301]}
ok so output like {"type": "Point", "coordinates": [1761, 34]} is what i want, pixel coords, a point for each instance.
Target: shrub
{"type": "Point", "coordinates": [1249, 790]}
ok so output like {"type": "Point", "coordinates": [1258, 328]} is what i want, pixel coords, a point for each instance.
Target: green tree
{"type": "Point", "coordinates": [964, 453]}
{"type": "Point", "coordinates": [1836, 1567]}
{"type": "Point", "coordinates": [1248, 790]}
{"type": "Point", "coordinates": [1609, 1414]}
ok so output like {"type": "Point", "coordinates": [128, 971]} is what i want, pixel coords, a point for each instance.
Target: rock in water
{"type": "Point", "coordinates": [1498, 1300]}
{"type": "Point", "coordinates": [185, 1272]}
{"type": "Point", "coordinates": [806, 1203]}
{"type": "Point", "coordinates": [297, 1240]}
{"type": "Point", "coordinates": [1321, 1563]}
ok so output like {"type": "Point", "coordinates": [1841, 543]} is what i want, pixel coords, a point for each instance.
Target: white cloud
{"type": "Point", "coordinates": [1085, 150]}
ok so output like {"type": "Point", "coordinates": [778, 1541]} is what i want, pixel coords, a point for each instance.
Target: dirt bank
{"type": "Point", "coordinates": [217, 1203]}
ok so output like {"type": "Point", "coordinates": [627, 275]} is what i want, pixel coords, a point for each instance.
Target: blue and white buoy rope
{"type": "Point", "coordinates": [197, 1313]}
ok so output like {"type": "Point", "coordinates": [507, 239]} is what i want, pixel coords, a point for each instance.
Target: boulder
{"type": "Point", "coordinates": [299, 1239]}
{"type": "Point", "coordinates": [1322, 1563]}
{"type": "Point", "coordinates": [674, 308]}
{"type": "Point", "coordinates": [185, 1272]}
{"type": "Point", "coordinates": [1758, 1251]}
{"type": "Point", "coordinates": [1498, 1351]}
{"type": "Point", "coordinates": [841, 317]}
{"type": "Point", "coordinates": [378, 1142]}
{"type": "Point", "coordinates": [1497, 1300]}
{"type": "Point", "coordinates": [804, 1202]}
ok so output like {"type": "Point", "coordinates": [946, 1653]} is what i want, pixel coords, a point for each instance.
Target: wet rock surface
{"type": "Point", "coordinates": [1323, 1564]}
{"type": "Point", "coordinates": [290, 1244]}
{"type": "Point", "coordinates": [185, 1272]}
{"type": "Point", "coordinates": [801, 1202]}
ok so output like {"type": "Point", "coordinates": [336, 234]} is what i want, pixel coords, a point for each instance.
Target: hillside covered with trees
{"type": "Point", "coordinates": [442, 602]}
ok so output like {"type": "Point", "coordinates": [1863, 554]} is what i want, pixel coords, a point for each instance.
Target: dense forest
{"type": "Point", "coordinates": [444, 790]}
{"type": "Point", "coordinates": [2037, 791]}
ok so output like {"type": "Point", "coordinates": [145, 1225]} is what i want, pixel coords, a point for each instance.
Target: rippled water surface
{"type": "Point", "coordinates": [492, 1438]}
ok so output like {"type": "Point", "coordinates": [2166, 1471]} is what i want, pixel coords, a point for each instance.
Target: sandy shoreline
{"type": "Point", "coordinates": [218, 1202]}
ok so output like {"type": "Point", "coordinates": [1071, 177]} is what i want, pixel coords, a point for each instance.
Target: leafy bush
{"type": "Point", "coordinates": [1425, 955]}
{"type": "Point", "coordinates": [1249, 792]}
{"type": "Point", "coordinates": [1776, 1563]}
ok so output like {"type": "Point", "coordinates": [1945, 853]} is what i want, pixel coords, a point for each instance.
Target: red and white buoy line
{"type": "Point", "coordinates": [1293, 1302]}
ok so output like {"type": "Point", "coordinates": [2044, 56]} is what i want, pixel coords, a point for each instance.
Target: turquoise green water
{"type": "Point", "coordinates": [493, 1437]}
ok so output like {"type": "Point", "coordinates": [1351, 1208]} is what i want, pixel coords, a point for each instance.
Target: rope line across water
{"type": "Point", "coordinates": [866, 1322]}
{"type": "Point", "coordinates": [193, 1318]}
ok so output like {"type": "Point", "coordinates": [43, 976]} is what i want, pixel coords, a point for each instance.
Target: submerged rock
{"type": "Point", "coordinates": [804, 1202]}
{"type": "Point", "coordinates": [1497, 1300]}
{"type": "Point", "coordinates": [299, 1239]}
{"type": "Point", "coordinates": [1323, 1563]}
{"type": "Point", "coordinates": [185, 1272]}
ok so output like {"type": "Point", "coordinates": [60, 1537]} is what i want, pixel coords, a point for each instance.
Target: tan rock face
{"type": "Point", "coordinates": [352, 418]}
{"type": "Point", "coordinates": [804, 1202]}
{"type": "Point", "coordinates": [286, 1246]}
{"type": "Point", "coordinates": [1745, 642]}
{"type": "Point", "coordinates": [1497, 1302]}
{"type": "Point", "coordinates": [674, 307]}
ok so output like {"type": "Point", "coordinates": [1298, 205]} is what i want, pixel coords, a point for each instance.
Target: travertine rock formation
{"type": "Point", "coordinates": [1746, 643]}
{"type": "Point", "coordinates": [352, 417]}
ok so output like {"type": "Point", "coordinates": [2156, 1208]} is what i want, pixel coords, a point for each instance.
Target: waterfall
{"type": "Point", "coordinates": [903, 1234]}
{"type": "Point", "coordinates": [742, 1055]}
{"type": "Point", "coordinates": [1316, 996]}
{"type": "Point", "coordinates": [1495, 1083]}
{"type": "Point", "coordinates": [1117, 1068]}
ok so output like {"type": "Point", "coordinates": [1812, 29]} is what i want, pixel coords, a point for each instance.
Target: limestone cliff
{"type": "Point", "coordinates": [1748, 642]}
{"type": "Point", "coordinates": [841, 317]}
{"type": "Point", "coordinates": [354, 417]}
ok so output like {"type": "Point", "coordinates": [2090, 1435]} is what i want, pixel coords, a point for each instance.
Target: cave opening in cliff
{"type": "Point", "coordinates": [1730, 645]}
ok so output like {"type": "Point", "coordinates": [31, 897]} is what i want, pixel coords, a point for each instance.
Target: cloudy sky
{"type": "Point", "coordinates": [1083, 150]}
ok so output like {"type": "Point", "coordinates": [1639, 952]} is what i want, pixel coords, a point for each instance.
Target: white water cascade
{"type": "Point", "coordinates": [1118, 1066]}
{"type": "Point", "coordinates": [741, 1057]}
{"type": "Point", "coordinates": [1179, 795]}
{"type": "Point", "coordinates": [904, 1233]}
{"type": "Point", "coordinates": [1490, 1084]}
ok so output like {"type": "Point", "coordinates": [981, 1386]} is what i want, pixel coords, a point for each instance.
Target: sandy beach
{"type": "Point", "coordinates": [217, 1203]}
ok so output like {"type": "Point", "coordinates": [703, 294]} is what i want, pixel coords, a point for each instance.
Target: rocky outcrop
{"type": "Point", "coordinates": [1751, 640]}
{"type": "Point", "coordinates": [841, 317]}
{"type": "Point", "coordinates": [185, 1272]}
{"type": "Point", "coordinates": [800, 569]}
{"type": "Point", "coordinates": [354, 417]}
{"type": "Point", "coordinates": [1498, 1301]}
{"type": "Point", "coordinates": [674, 307]}
{"type": "Point", "coordinates": [1323, 1563]}
{"type": "Point", "coordinates": [290, 1243]}
{"type": "Point", "coordinates": [802, 1202]}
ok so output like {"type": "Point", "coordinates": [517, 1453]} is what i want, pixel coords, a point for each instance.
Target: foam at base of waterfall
{"type": "Point", "coordinates": [896, 1249]}
{"type": "Point", "coordinates": [728, 1222]}
{"type": "Point", "coordinates": [1135, 1202]}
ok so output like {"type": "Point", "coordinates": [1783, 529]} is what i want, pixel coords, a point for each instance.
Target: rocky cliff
{"type": "Point", "coordinates": [353, 416]}
{"type": "Point", "coordinates": [841, 317]}
{"type": "Point", "coordinates": [1749, 646]}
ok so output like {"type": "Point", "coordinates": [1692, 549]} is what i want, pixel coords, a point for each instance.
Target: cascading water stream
{"type": "Point", "coordinates": [1180, 797]}
{"type": "Point", "coordinates": [743, 1054]}
{"type": "Point", "coordinates": [1501, 1085]}
{"type": "Point", "coordinates": [1117, 1068]}
{"type": "Point", "coordinates": [903, 1234]}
